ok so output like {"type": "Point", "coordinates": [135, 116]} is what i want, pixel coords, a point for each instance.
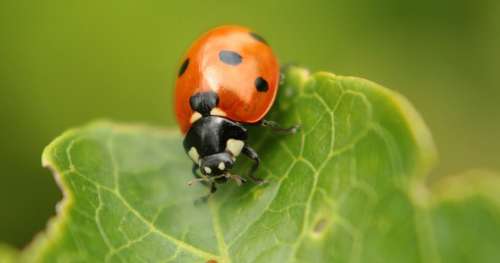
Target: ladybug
{"type": "Point", "coordinates": [227, 80]}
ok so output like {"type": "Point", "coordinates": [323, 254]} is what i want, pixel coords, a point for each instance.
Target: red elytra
{"type": "Point", "coordinates": [235, 63]}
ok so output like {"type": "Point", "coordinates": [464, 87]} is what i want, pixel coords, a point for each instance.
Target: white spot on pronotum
{"type": "Point", "coordinates": [196, 116]}
{"type": "Point", "coordinates": [217, 112]}
{"type": "Point", "coordinates": [234, 146]}
{"type": "Point", "coordinates": [222, 166]}
{"type": "Point", "coordinates": [193, 153]}
{"type": "Point", "coordinates": [207, 170]}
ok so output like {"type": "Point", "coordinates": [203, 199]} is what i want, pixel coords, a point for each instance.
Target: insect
{"type": "Point", "coordinates": [228, 80]}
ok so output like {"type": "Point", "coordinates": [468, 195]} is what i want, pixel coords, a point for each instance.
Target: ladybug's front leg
{"type": "Point", "coordinates": [197, 176]}
{"type": "Point", "coordinates": [204, 199]}
{"type": "Point", "coordinates": [275, 127]}
{"type": "Point", "coordinates": [194, 170]}
{"type": "Point", "coordinates": [252, 154]}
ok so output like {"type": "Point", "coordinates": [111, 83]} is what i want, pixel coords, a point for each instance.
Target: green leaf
{"type": "Point", "coordinates": [349, 187]}
{"type": "Point", "coordinates": [7, 254]}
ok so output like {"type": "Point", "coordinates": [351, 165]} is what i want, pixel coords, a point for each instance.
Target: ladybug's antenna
{"type": "Point", "coordinates": [191, 182]}
{"type": "Point", "coordinates": [208, 179]}
{"type": "Point", "coordinates": [238, 179]}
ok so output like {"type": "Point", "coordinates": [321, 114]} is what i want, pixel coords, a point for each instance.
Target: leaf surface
{"type": "Point", "coordinates": [349, 187]}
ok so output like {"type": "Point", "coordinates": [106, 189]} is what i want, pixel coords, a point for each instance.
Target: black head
{"type": "Point", "coordinates": [216, 164]}
{"type": "Point", "coordinates": [204, 102]}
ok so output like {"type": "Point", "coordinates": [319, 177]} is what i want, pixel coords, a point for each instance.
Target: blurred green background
{"type": "Point", "coordinates": [65, 62]}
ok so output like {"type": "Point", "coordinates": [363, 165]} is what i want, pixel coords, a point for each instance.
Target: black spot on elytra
{"type": "Point", "coordinates": [183, 67]}
{"type": "Point", "coordinates": [230, 57]}
{"type": "Point", "coordinates": [261, 84]}
{"type": "Point", "coordinates": [258, 37]}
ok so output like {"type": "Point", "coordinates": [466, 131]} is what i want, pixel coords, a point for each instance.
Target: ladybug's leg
{"type": "Point", "coordinates": [213, 188]}
{"type": "Point", "coordinates": [238, 179]}
{"type": "Point", "coordinates": [197, 176]}
{"type": "Point", "coordinates": [277, 128]}
{"type": "Point", "coordinates": [204, 198]}
{"type": "Point", "coordinates": [250, 153]}
{"type": "Point", "coordinates": [195, 169]}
